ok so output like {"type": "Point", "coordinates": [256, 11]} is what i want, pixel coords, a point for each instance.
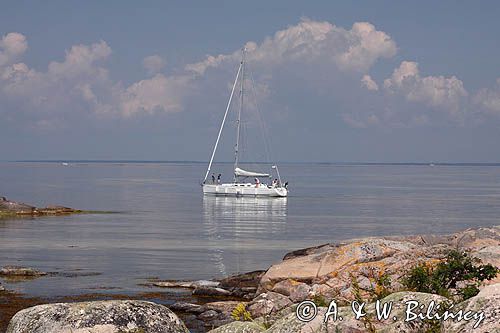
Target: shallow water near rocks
{"type": "Point", "coordinates": [165, 228]}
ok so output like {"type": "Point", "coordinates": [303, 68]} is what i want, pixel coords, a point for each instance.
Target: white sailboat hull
{"type": "Point", "coordinates": [244, 189]}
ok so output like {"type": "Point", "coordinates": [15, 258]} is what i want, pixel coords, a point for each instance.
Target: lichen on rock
{"type": "Point", "coordinates": [97, 317]}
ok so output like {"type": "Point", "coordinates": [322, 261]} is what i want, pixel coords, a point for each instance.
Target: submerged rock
{"type": "Point", "coordinates": [97, 317]}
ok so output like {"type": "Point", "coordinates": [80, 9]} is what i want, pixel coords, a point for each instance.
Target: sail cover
{"type": "Point", "coordinates": [243, 173]}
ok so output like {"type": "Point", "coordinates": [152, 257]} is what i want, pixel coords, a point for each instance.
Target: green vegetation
{"type": "Point", "coordinates": [458, 271]}
{"type": "Point", "coordinates": [382, 286]}
{"type": "Point", "coordinates": [240, 313]}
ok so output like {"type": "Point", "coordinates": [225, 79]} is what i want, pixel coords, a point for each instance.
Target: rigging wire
{"type": "Point", "coordinates": [261, 122]}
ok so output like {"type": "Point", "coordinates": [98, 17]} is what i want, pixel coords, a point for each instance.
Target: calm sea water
{"type": "Point", "coordinates": [164, 227]}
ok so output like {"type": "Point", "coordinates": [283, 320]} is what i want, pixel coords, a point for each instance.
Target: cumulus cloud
{"type": "Point", "coordinates": [489, 99]}
{"type": "Point", "coordinates": [80, 82]}
{"type": "Point", "coordinates": [64, 83]}
{"type": "Point", "coordinates": [368, 82]}
{"type": "Point", "coordinates": [12, 46]}
{"type": "Point", "coordinates": [446, 93]}
{"type": "Point", "coordinates": [160, 93]}
{"type": "Point", "coordinates": [309, 41]}
{"type": "Point", "coordinates": [153, 64]}
{"type": "Point", "coordinates": [328, 62]}
{"type": "Point", "coordinates": [80, 60]}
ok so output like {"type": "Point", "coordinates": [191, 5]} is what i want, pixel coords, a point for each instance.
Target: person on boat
{"type": "Point", "coordinates": [213, 179]}
{"type": "Point", "coordinates": [257, 182]}
{"type": "Point", "coordinates": [286, 185]}
{"type": "Point", "coordinates": [218, 178]}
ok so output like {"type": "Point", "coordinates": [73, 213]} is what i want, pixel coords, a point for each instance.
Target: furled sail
{"type": "Point", "coordinates": [243, 173]}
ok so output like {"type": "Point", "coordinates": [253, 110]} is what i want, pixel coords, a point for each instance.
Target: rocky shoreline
{"type": "Point", "coordinates": [363, 270]}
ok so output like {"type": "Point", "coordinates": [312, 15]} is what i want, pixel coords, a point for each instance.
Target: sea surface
{"type": "Point", "coordinates": [162, 226]}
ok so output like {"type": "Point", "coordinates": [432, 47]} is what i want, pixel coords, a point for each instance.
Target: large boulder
{"type": "Point", "coordinates": [329, 269]}
{"type": "Point", "coordinates": [97, 317]}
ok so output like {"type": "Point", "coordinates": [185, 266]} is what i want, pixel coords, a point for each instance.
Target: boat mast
{"type": "Point", "coordinates": [238, 122]}
{"type": "Point", "coordinates": [222, 125]}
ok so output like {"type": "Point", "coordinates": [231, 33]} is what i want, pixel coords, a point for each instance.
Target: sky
{"type": "Point", "coordinates": [343, 81]}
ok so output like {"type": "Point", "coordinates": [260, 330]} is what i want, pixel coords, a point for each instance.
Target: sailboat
{"type": "Point", "coordinates": [245, 182]}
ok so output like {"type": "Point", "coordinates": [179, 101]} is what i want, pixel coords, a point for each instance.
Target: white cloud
{"type": "Point", "coordinates": [446, 93]}
{"type": "Point", "coordinates": [153, 64]}
{"type": "Point", "coordinates": [12, 46]}
{"type": "Point", "coordinates": [63, 86]}
{"type": "Point", "coordinates": [80, 82]}
{"type": "Point", "coordinates": [160, 93]}
{"type": "Point", "coordinates": [309, 41]}
{"type": "Point", "coordinates": [81, 60]}
{"type": "Point", "coordinates": [368, 82]}
{"type": "Point", "coordinates": [319, 58]}
{"type": "Point", "coordinates": [489, 99]}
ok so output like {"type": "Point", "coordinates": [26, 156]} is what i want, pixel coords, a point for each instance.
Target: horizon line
{"type": "Point", "coordinates": [132, 161]}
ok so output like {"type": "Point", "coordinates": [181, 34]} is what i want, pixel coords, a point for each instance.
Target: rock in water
{"type": "Point", "coordinates": [20, 271]}
{"type": "Point", "coordinates": [97, 317]}
{"type": "Point", "coordinates": [15, 207]}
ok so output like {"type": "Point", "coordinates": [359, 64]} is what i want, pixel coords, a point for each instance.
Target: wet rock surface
{"type": "Point", "coordinates": [99, 316]}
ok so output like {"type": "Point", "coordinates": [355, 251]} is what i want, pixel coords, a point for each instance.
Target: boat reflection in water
{"type": "Point", "coordinates": [234, 225]}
